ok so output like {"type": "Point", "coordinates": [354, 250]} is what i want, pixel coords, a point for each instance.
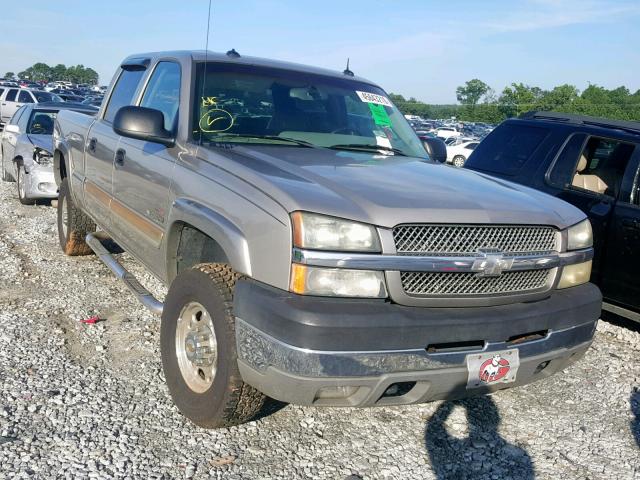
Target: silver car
{"type": "Point", "coordinates": [26, 148]}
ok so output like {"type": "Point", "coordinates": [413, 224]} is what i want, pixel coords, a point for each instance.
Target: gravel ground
{"type": "Point", "coordinates": [89, 401]}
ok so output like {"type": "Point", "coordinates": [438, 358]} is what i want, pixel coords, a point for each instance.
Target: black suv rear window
{"type": "Point", "coordinates": [507, 148]}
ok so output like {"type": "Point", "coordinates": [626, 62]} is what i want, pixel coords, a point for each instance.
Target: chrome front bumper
{"type": "Point", "coordinates": [300, 376]}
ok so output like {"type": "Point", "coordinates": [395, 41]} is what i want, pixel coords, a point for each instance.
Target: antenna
{"type": "Point", "coordinates": [206, 55]}
{"type": "Point", "coordinates": [347, 71]}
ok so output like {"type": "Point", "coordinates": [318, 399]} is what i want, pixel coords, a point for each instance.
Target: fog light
{"type": "Point", "coordinates": [573, 275]}
{"type": "Point", "coordinates": [336, 392]}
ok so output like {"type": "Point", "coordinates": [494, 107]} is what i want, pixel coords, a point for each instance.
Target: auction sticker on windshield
{"type": "Point", "coordinates": [492, 367]}
{"type": "Point", "coordinates": [373, 98]}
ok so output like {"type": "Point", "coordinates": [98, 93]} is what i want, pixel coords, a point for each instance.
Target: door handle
{"type": "Point", "coordinates": [92, 144]}
{"type": "Point", "coordinates": [120, 155]}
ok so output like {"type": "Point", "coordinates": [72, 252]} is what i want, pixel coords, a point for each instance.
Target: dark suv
{"type": "Point", "coordinates": [592, 163]}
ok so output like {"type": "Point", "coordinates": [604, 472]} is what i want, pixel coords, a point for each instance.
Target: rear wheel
{"type": "Point", "coordinates": [198, 346]}
{"type": "Point", "coordinates": [458, 161]}
{"type": "Point", "coordinates": [73, 224]}
{"type": "Point", "coordinates": [23, 196]}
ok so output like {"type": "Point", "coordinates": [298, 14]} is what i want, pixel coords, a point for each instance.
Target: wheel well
{"type": "Point", "coordinates": [18, 161]}
{"type": "Point", "coordinates": [194, 247]}
{"type": "Point", "coordinates": [59, 167]}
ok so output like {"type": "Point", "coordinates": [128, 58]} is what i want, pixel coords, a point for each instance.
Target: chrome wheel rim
{"type": "Point", "coordinates": [20, 183]}
{"type": "Point", "coordinates": [196, 347]}
{"type": "Point", "coordinates": [64, 216]}
{"type": "Point", "coordinates": [458, 162]}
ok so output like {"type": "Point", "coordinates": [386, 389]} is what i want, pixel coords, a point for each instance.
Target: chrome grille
{"type": "Point", "coordinates": [470, 284]}
{"type": "Point", "coordinates": [467, 240]}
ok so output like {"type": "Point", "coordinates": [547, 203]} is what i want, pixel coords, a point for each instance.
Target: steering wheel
{"type": "Point", "coordinates": [37, 129]}
{"type": "Point", "coordinates": [345, 131]}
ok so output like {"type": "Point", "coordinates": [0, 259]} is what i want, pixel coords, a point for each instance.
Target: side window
{"type": "Point", "coordinates": [23, 121]}
{"type": "Point", "coordinates": [472, 146]}
{"type": "Point", "coordinates": [16, 117]}
{"type": "Point", "coordinates": [601, 166]}
{"type": "Point", "coordinates": [123, 92]}
{"type": "Point", "coordinates": [1, 91]}
{"type": "Point", "coordinates": [563, 168]}
{"type": "Point", "coordinates": [25, 97]}
{"type": "Point", "coordinates": [11, 95]}
{"type": "Point", "coordinates": [163, 92]}
{"type": "Point", "coordinates": [508, 148]}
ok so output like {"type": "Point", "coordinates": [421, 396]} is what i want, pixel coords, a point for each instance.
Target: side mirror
{"type": "Point", "coordinates": [142, 123]}
{"type": "Point", "coordinates": [436, 149]}
{"type": "Point", "coordinates": [12, 129]}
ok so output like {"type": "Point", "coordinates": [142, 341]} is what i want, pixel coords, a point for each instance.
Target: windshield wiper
{"type": "Point", "coordinates": [300, 143]}
{"type": "Point", "coordinates": [367, 147]}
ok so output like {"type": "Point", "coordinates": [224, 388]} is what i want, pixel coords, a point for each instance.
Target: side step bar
{"type": "Point", "coordinates": [142, 294]}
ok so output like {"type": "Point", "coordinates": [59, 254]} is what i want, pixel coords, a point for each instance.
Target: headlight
{"type": "Point", "coordinates": [574, 275]}
{"type": "Point", "coordinates": [580, 236]}
{"type": "Point", "coordinates": [321, 232]}
{"type": "Point", "coordinates": [41, 156]}
{"type": "Point", "coordinates": [337, 282]}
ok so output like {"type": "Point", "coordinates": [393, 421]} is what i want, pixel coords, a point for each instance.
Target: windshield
{"type": "Point", "coordinates": [41, 122]}
{"type": "Point", "coordinates": [249, 104]}
{"type": "Point", "coordinates": [43, 97]}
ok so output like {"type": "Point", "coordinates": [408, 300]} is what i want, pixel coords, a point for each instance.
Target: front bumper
{"type": "Point", "coordinates": [340, 352]}
{"type": "Point", "coordinates": [40, 182]}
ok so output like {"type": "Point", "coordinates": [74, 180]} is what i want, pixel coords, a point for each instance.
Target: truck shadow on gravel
{"type": "Point", "coordinates": [635, 409]}
{"type": "Point", "coordinates": [483, 454]}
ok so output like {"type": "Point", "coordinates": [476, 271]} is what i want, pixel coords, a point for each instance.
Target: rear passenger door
{"type": "Point", "coordinates": [102, 143]}
{"type": "Point", "coordinates": [10, 105]}
{"type": "Point", "coordinates": [621, 272]}
{"type": "Point", "coordinates": [143, 170]}
{"type": "Point", "coordinates": [588, 173]}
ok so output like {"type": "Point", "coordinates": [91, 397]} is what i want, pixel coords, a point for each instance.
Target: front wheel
{"type": "Point", "coordinates": [458, 161]}
{"type": "Point", "coordinates": [198, 347]}
{"type": "Point", "coordinates": [23, 196]}
{"type": "Point", "coordinates": [73, 224]}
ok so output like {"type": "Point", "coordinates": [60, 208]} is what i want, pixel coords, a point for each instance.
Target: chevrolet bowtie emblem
{"type": "Point", "coordinates": [491, 263]}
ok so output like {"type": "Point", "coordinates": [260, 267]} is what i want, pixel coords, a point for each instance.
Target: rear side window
{"type": "Point", "coordinates": [16, 116]}
{"type": "Point", "coordinates": [11, 96]}
{"type": "Point", "coordinates": [507, 148]}
{"type": "Point", "coordinates": [25, 97]}
{"type": "Point", "coordinates": [123, 92]}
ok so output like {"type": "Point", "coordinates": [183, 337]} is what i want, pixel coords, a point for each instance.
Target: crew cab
{"type": "Point", "coordinates": [592, 163]}
{"type": "Point", "coordinates": [312, 250]}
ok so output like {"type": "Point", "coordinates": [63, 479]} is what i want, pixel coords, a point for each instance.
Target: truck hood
{"type": "Point", "coordinates": [389, 190]}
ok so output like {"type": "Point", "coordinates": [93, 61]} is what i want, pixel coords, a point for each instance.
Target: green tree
{"type": "Point", "coordinates": [471, 92]}
{"type": "Point", "coordinates": [9, 75]}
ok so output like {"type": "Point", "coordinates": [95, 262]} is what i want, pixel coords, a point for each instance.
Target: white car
{"type": "Point", "coordinates": [11, 99]}
{"type": "Point", "coordinates": [447, 132]}
{"type": "Point", "coordinates": [458, 154]}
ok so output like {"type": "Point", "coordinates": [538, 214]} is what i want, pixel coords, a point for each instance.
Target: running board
{"type": "Point", "coordinates": [623, 312]}
{"type": "Point", "coordinates": [142, 294]}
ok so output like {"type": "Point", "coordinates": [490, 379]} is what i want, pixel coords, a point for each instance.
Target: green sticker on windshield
{"type": "Point", "coordinates": [380, 115]}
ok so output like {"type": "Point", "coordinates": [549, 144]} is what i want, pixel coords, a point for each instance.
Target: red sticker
{"type": "Point", "coordinates": [494, 369]}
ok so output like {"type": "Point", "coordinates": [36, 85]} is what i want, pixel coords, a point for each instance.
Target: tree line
{"type": "Point", "coordinates": [480, 103]}
{"type": "Point", "coordinates": [43, 72]}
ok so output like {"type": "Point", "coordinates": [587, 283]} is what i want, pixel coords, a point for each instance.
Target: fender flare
{"type": "Point", "coordinates": [60, 151]}
{"type": "Point", "coordinates": [230, 238]}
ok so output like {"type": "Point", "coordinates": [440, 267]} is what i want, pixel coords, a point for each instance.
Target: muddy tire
{"type": "Point", "coordinates": [198, 347]}
{"type": "Point", "coordinates": [73, 224]}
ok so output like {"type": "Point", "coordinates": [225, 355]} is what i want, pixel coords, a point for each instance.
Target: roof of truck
{"type": "Point", "coordinates": [201, 55]}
